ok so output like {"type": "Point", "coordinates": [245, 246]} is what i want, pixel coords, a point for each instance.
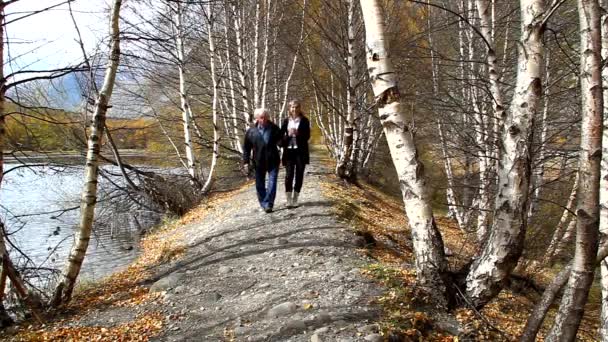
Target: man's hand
{"type": "Point", "coordinates": [246, 169]}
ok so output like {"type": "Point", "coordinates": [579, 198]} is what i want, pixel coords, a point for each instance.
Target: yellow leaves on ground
{"type": "Point", "coordinates": [122, 289]}
{"type": "Point", "coordinates": [141, 329]}
{"type": "Point", "coordinates": [367, 209]}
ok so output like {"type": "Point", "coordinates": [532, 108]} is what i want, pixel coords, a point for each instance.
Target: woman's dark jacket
{"type": "Point", "coordinates": [265, 155]}
{"type": "Point", "coordinates": [302, 137]}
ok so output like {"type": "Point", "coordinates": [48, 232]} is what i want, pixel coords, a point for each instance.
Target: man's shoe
{"type": "Point", "coordinates": [268, 210]}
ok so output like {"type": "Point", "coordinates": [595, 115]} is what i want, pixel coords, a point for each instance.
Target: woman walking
{"type": "Point", "coordinates": [295, 131]}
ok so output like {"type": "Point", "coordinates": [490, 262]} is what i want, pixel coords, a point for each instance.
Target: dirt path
{"type": "Point", "coordinates": [291, 275]}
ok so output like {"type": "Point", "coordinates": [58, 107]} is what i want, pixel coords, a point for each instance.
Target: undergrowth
{"type": "Point", "coordinates": [408, 314]}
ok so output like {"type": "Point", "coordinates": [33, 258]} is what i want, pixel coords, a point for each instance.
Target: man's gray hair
{"type": "Point", "coordinates": [259, 112]}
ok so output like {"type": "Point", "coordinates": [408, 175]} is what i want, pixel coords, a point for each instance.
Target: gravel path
{"type": "Point", "coordinates": [291, 275]}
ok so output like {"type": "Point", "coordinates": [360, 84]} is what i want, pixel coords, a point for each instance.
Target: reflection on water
{"type": "Point", "coordinates": [40, 206]}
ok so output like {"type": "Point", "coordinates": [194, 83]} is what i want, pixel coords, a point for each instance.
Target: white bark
{"type": "Point", "coordinates": [247, 109]}
{"type": "Point", "coordinates": [505, 242]}
{"type": "Point", "coordinates": [293, 62]}
{"type": "Point", "coordinates": [89, 193]}
{"type": "Point", "coordinates": [183, 94]}
{"type": "Point", "coordinates": [428, 245]}
{"type": "Point", "coordinates": [454, 211]}
{"type": "Point", "coordinates": [485, 12]}
{"type": "Point", "coordinates": [540, 170]}
{"type": "Point", "coordinates": [236, 143]}
{"type": "Point", "coordinates": [342, 165]}
{"type": "Point", "coordinates": [214, 81]}
{"type": "Point", "coordinates": [256, 56]}
{"type": "Point", "coordinates": [264, 73]}
{"type": "Point", "coordinates": [573, 301]}
{"type": "Point", "coordinates": [604, 179]}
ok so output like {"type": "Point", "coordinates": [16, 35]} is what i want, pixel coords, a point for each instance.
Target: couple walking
{"type": "Point", "coordinates": [264, 140]}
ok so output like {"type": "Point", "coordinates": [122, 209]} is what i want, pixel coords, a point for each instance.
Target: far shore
{"type": "Point", "coordinates": [70, 156]}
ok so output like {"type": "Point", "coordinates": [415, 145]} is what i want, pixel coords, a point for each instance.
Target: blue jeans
{"type": "Point", "coordinates": [266, 193]}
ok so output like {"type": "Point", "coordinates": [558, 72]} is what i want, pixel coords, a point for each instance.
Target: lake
{"type": "Point", "coordinates": [33, 202]}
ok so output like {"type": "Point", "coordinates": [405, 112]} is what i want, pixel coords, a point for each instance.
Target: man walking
{"type": "Point", "coordinates": [263, 140]}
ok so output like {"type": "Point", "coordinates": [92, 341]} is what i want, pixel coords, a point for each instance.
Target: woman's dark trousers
{"type": "Point", "coordinates": [294, 167]}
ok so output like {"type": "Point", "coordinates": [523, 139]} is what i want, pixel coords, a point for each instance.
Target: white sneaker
{"type": "Point", "coordinates": [288, 202]}
{"type": "Point", "coordinates": [294, 200]}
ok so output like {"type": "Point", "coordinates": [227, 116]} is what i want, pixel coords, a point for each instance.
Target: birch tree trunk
{"type": "Point", "coordinates": [183, 95]}
{"type": "Point", "coordinates": [575, 296]}
{"type": "Point", "coordinates": [216, 137]}
{"type": "Point", "coordinates": [560, 235]}
{"type": "Point", "coordinates": [63, 292]}
{"type": "Point", "coordinates": [504, 245]}
{"type": "Point", "coordinates": [247, 110]}
{"type": "Point", "coordinates": [428, 244]}
{"type": "Point", "coordinates": [485, 16]}
{"type": "Point", "coordinates": [347, 144]}
{"type": "Point", "coordinates": [256, 55]}
{"type": "Point", "coordinates": [539, 175]}
{"type": "Point", "coordinates": [454, 211]}
{"type": "Point", "coordinates": [236, 143]}
{"type": "Point", "coordinates": [604, 179]}
{"type": "Point", "coordinates": [293, 63]}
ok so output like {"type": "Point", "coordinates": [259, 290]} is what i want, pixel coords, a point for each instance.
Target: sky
{"type": "Point", "coordinates": [48, 39]}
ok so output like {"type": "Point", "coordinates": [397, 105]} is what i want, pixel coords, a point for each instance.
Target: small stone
{"type": "Point", "coordinates": [355, 294]}
{"type": "Point", "coordinates": [316, 338]}
{"type": "Point", "coordinates": [251, 269]}
{"type": "Point", "coordinates": [167, 282]}
{"type": "Point", "coordinates": [179, 289]}
{"type": "Point", "coordinates": [323, 317]}
{"type": "Point", "coordinates": [295, 264]}
{"type": "Point", "coordinates": [369, 328]}
{"type": "Point", "coordinates": [322, 330]}
{"type": "Point", "coordinates": [373, 338]}
{"type": "Point", "coordinates": [175, 328]}
{"type": "Point", "coordinates": [282, 309]}
{"type": "Point", "coordinates": [337, 277]}
{"type": "Point", "coordinates": [273, 254]}
{"type": "Point", "coordinates": [295, 324]}
{"type": "Point", "coordinates": [224, 270]}
{"type": "Point", "coordinates": [240, 331]}
{"type": "Point", "coordinates": [196, 292]}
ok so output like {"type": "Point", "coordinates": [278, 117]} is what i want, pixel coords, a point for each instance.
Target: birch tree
{"type": "Point", "coordinates": [65, 288]}
{"type": "Point", "coordinates": [603, 228]}
{"type": "Point", "coordinates": [186, 108]}
{"type": "Point", "coordinates": [484, 9]}
{"type": "Point", "coordinates": [575, 296]}
{"type": "Point", "coordinates": [428, 244]}
{"type": "Point", "coordinates": [505, 243]}
{"type": "Point", "coordinates": [211, 41]}
{"type": "Point", "coordinates": [343, 162]}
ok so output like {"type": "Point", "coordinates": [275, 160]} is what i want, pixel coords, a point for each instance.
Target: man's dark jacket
{"type": "Point", "coordinates": [265, 155]}
{"type": "Point", "coordinates": [302, 138]}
